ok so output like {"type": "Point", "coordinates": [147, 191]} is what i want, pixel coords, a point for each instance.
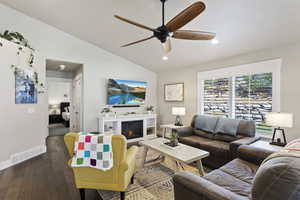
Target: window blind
{"type": "Point", "coordinates": [246, 97]}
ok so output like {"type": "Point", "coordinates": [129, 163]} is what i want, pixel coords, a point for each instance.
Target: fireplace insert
{"type": "Point", "coordinates": [132, 129]}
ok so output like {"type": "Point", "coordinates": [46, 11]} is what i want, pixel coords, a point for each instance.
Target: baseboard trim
{"type": "Point", "coordinates": [23, 156]}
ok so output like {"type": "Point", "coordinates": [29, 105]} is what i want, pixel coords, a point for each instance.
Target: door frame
{"type": "Point", "coordinates": [79, 77]}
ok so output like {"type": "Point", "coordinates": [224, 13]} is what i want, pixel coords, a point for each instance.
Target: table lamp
{"type": "Point", "coordinates": [280, 121]}
{"type": "Point", "coordinates": [178, 111]}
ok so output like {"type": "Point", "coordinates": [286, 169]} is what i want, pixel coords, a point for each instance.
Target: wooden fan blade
{"type": "Point", "coordinates": [167, 45]}
{"type": "Point", "coordinates": [135, 23]}
{"type": "Point", "coordinates": [132, 43]}
{"type": "Point", "coordinates": [186, 16]}
{"type": "Point", "coordinates": [193, 35]}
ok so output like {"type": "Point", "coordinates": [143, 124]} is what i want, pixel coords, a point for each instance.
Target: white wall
{"type": "Point", "coordinates": [98, 66]}
{"type": "Point", "coordinates": [59, 74]}
{"type": "Point", "coordinates": [23, 126]}
{"type": "Point", "coordinates": [57, 88]}
{"type": "Point", "coordinates": [290, 72]}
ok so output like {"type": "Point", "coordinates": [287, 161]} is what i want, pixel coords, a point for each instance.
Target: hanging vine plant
{"type": "Point", "coordinates": [19, 39]}
{"type": "Point", "coordinates": [16, 37]}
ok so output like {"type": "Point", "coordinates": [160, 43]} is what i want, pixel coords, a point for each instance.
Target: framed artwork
{"type": "Point", "coordinates": [26, 91]}
{"type": "Point", "coordinates": [174, 92]}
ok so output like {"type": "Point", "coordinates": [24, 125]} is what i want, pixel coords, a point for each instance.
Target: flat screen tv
{"type": "Point", "coordinates": [122, 92]}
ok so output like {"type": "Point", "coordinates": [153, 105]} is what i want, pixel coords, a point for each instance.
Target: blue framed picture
{"type": "Point", "coordinates": [26, 91]}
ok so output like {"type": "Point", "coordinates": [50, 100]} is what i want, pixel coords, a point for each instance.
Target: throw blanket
{"type": "Point", "coordinates": [292, 149]}
{"type": "Point", "coordinates": [93, 151]}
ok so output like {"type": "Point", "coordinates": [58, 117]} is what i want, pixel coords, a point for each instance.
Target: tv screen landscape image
{"type": "Point", "coordinates": [122, 92]}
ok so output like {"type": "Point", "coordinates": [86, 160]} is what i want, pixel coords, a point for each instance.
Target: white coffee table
{"type": "Point", "coordinates": [182, 153]}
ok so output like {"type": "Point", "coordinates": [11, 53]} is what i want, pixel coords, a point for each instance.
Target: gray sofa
{"type": "Point", "coordinates": [220, 137]}
{"type": "Point", "coordinates": [245, 178]}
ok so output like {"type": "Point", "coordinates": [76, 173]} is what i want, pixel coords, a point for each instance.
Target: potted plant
{"type": "Point", "coordinates": [106, 111]}
{"type": "Point", "coordinates": [174, 138]}
{"type": "Point", "coordinates": [150, 109]}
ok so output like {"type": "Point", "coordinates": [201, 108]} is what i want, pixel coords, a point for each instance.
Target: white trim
{"type": "Point", "coordinates": [253, 68]}
{"type": "Point", "coordinates": [273, 66]}
{"type": "Point", "coordinates": [23, 156]}
{"type": "Point", "coordinates": [5, 164]}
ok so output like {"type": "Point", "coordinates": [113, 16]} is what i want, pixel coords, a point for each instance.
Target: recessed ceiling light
{"type": "Point", "coordinates": [215, 41]}
{"type": "Point", "coordinates": [62, 67]}
{"type": "Point", "coordinates": [165, 58]}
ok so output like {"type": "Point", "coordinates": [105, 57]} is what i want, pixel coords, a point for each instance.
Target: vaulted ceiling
{"type": "Point", "coordinates": [241, 25]}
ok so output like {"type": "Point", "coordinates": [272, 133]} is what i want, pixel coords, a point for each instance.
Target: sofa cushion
{"type": "Point", "coordinates": [280, 172]}
{"type": "Point", "coordinates": [203, 134]}
{"type": "Point", "coordinates": [229, 182]}
{"type": "Point", "coordinates": [214, 147]}
{"type": "Point", "coordinates": [227, 138]}
{"type": "Point", "coordinates": [206, 123]}
{"type": "Point", "coordinates": [247, 128]}
{"type": "Point", "coordinates": [241, 169]}
{"type": "Point", "coordinates": [227, 126]}
{"type": "Point", "coordinates": [281, 175]}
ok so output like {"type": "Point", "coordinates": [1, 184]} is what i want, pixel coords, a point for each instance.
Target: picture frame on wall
{"type": "Point", "coordinates": [25, 86]}
{"type": "Point", "coordinates": [174, 92]}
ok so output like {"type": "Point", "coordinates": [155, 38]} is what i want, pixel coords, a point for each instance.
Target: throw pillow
{"type": "Point", "coordinates": [227, 126]}
{"type": "Point", "coordinates": [206, 123]}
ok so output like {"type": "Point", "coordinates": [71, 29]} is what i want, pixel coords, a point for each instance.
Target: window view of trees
{"type": "Point", "coordinates": [253, 98]}
{"type": "Point", "coordinates": [216, 97]}
{"type": "Point", "coordinates": [250, 100]}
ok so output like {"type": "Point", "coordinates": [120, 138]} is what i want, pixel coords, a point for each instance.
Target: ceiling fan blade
{"type": "Point", "coordinates": [167, 45]}
{"type": "Point", "coordinates": [186, 16]}
{"type": "Point", "coordinates": [193, 35]}
{"type": "Point", "coordinates": [132, 43]}
{"type": "Point", "coordinates": [136, 24]}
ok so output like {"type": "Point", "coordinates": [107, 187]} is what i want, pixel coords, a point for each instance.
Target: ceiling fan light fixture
{"type": "Point", "coordinates": [172, 29]}
{"type": "Point", "coordinates": [167, 45]}
{"type": "Point", "coordinates": [215, 41]}
{"type": "Point", "coordinates": [165, 58]}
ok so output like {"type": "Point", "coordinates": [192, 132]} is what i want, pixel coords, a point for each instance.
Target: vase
{"type": "Point", "coordinates": [174, 142]}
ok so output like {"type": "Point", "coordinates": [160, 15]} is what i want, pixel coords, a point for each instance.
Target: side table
{"type": "Point", "coordinates": [170, 127]}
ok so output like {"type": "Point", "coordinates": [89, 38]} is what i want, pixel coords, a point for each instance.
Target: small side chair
{"type": "Point", "coordinates": [116, 179]}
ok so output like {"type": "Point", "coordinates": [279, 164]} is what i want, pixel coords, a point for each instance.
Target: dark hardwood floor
{"type": "Point", "coordinates": [46, 177]}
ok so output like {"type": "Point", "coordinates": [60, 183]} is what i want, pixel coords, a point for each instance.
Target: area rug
{"type": "Point", "coordinates": [152, 182]}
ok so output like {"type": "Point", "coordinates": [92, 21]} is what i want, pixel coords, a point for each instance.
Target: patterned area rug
{"type": "Point", "coordinates": [152, 182]}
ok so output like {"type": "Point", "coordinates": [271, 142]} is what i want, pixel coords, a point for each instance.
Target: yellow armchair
{"type": "Point", "coordinates": [115, 179]}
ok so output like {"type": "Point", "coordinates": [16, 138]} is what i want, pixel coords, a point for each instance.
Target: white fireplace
{"type": "Point", "coordinates": [134, 127]}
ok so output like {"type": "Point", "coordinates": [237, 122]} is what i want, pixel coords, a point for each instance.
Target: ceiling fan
{"type": "Point", "coordinates": [171, 29]}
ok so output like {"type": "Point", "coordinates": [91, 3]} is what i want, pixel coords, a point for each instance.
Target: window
{"type": "Point", "coordinates": [245, 92]}
{"type": "Point", "coordinates": [216, 97]}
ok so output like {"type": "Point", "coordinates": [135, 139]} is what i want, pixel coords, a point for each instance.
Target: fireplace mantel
{"type": "Point", "coordinates": [113, 124]}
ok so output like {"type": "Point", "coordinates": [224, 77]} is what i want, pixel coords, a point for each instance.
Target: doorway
{"type": "Point", "coordinates": [65, 90]}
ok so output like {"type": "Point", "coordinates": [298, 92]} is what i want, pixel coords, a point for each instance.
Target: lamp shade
{"type": "Point", "coordinates": [178, 111]}
{"type": "Point", "coordinates": [284, 120]}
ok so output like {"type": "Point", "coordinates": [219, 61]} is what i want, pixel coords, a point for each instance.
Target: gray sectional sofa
{"type": "Point", "coordinates": [257, 174]}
